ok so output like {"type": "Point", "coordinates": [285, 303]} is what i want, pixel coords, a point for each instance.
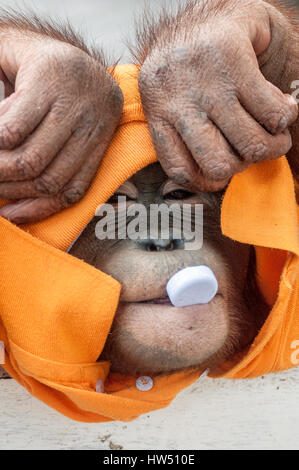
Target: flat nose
{"type": "Point", "coordinates": [160, 244]}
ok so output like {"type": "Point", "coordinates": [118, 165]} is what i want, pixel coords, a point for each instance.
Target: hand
{"type": "Point", "coordinates": [211, 112]}
{"type": "Point", "coordinates": [56, 122]}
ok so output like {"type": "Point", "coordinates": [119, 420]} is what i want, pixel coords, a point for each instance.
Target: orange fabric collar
{"type": "Point", "coordinates": [56, 311]}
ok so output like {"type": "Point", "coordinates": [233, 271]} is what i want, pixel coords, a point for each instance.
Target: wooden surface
{"type": "Point", "coordinates": [212, 414]}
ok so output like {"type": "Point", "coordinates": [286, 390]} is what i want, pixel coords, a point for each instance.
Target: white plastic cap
{"type": "Point", "coordinates": [144, 383]}
{"type": "Point", "coordinates": [191, 286]}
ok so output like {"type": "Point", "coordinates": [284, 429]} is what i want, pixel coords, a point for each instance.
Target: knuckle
{"type": "Point", "coordinates": [86, 118]}
{"type": "Point", "coordinates": [10, 136]}
{"type": "Point", "coordinates": [276, 120]}
{"type": "Point", "coordinates": [27, 166]}
{"type": "Point", "coordinates": [46, 185]}
{"type": "Point", "coordinates": [217, 169]}
{"type": "Point", "coordinates": [114, 100]}
{"type": "Point", "coordinates": [183, 127]}
{"type": "Point", "coordinates": [152, 72]}
{"type": "Point", "coordinates": [179, 175]}
{"type": "Point", "coordinates": [154, 81]}
{"type": "Point", "coordinates": [159, 136]}
{"type": "Point", "coordinates": [73, 193]}
{"type": "Point", "coordinates": [253, 150]}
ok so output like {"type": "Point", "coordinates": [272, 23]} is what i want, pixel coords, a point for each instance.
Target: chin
{"type": "Point", "coordinates": [152, 336]}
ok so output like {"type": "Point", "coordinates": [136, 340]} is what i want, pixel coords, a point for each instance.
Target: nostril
{"type": "Point", "coordinates": [161, 245]}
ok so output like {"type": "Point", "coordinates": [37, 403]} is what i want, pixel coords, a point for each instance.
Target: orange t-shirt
{"type": "Point", "coordinates": [56, 311]}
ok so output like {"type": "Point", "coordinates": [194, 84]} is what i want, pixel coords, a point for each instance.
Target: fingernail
{"type": "Point", "coordinates": [13, 217]}
{"type": "Point", "coordinates": [282, 125]}
{"type": "Point", "coordinates": [6, 212]}
{"type": "Point", "coordinates": [12, 213]}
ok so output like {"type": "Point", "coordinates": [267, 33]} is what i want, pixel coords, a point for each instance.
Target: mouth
{"type": "Point", "coordinates": [166, 301]}
{"type": "Point", "coordinates": [184, 336]}
{"type": "Point", "coordinates": [160, 301]}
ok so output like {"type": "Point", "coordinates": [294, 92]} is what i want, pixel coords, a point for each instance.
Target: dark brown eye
{"type": "Point", "coordinates": [178, 194]}
{"type": "Point", "coordinates": [114, 198]}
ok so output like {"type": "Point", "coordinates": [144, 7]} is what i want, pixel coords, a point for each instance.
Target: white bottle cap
{"type": "Point", "coordinates": [191, 286]}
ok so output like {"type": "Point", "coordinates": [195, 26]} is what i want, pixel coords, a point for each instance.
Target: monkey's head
{"type": "Point", "coordinates": [148, 334]}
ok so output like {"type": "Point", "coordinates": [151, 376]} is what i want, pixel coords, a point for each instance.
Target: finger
{"type": "Point", "coordinates": [65, 165]}
{"type": "Point", "coordinates": [172, 153]}
{"type": "Point", "coordinates": [29, 160]}
{"type": "Point", "coordinates": [211, 151]}
{"type": "Point", "coordinates": [177, 161]}
{"type": "Point", "coordinates": [266, 103]}
{"type": "Point", "coordinates": [252, 142]}
{"type": "Point", "coordinates": [32, 210]}
{"type": "Point", "coordinates": [20, 114]}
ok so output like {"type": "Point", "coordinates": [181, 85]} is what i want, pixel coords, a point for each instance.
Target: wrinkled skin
{"type": "Point", "coordinates": [149, 334]}
{"type": "Point", "coordinates": [59, 115]}
{"type": "Point", "coordinates": [211, 110]}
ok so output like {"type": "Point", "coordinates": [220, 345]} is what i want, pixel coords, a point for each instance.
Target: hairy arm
{"type": "Point", "coordinates": [215, 83]}
{"type": "Point", "coordinates": [60, 111]}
